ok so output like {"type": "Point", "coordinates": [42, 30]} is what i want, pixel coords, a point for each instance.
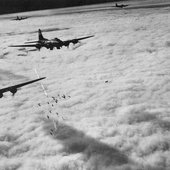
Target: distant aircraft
{"type": "Point", "coordinates": [121, 6]}
{"type": "Point", "coordinates": [14, 89]}
{"type": "Point", "coordinates": [50, 44]}
{"type": "Point", "coordinates": [19, 18]}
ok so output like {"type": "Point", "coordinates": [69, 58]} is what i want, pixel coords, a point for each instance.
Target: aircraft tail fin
{"type": "Point", "coordinates": [40, 36]}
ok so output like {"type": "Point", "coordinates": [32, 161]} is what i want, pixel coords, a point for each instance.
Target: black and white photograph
{"type": "Point", "coordinates": [85, 85]}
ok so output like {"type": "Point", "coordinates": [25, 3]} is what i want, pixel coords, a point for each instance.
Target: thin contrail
{"type": "Point", "coordinates": [41, 83]}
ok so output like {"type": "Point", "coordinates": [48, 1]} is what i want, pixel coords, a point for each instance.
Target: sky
{"type": "Point", "coordinates": [9, 6]}
{"type": "Point", "coordinates": [14, 6]}
{"type": "Point", "coordinates": [116, 111]}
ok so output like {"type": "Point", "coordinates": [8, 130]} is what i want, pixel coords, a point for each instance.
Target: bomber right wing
{"type": "Point", "coordinates": [76, 40]}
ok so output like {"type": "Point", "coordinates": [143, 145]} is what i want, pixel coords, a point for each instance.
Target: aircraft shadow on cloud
{"type": "Point", "coordinates": [19, 18]}
{"type": "Point", "coordinates": [121, 6]}
{"type": "Point", "coordinates": [14, 89]}
{"type": "Point", "coordinates": [76, 141]}
{"type": "Point", "coordinates": [50, 43]}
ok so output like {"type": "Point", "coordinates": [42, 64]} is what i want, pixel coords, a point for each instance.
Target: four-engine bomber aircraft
{"type": "Point", "coordinates": [13, 89]}
{"type": "Point", "coordinates": [50, 44]}
{"type": "Point", "coordinates": [120, 6]}
{"type": "Point", "coordinates": [19, 18]}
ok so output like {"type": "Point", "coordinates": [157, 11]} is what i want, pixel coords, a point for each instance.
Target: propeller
{"type": "Point", "coordinates": [13, 91]}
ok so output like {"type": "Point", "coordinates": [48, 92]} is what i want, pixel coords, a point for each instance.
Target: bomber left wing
{"type": "Point", "coordinates": [38, 46]}
{"type": "Point", "coordinates": [30, 45]}
{"type": "Point", "coordinates": [13, 89]}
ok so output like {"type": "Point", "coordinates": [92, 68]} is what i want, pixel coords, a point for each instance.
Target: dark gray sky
{"type": "Point", "coordinates": [10, 6]}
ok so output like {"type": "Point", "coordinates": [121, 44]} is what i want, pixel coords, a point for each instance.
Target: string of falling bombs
{"type": "Point", "coordinates": [47, 96]}
{"type": "Point", "coordinates": [51, 105]}
{"type": "Point", "coordinates": [55, 101]}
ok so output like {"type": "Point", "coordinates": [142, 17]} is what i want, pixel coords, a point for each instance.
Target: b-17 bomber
{"type": "Point", "coordinates": [19, 18]}
{"type": "Point", "coordinates": [50, 43]}
{"type": "Point", "coordinates": [14, 89]}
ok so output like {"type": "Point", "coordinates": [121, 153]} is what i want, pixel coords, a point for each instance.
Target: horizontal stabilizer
{"type": "Point", "coordinates": [28, 42]}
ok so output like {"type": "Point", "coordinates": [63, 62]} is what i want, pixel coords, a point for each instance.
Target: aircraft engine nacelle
{"type": "Point", "coordinates": [38, 46]}
{"type": "Point", "coordinates": [66, 44]}
{"type": "Point", "coordinates": [51, 47]}
{"type": "Point", "coordinates": [75, 41]}
{"type": "Point", "coordinates": [1, 95]}
{"type": "Point", "coordinates": [58, 45]}
{"type": "Point", "coordinates": [13, 91]}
